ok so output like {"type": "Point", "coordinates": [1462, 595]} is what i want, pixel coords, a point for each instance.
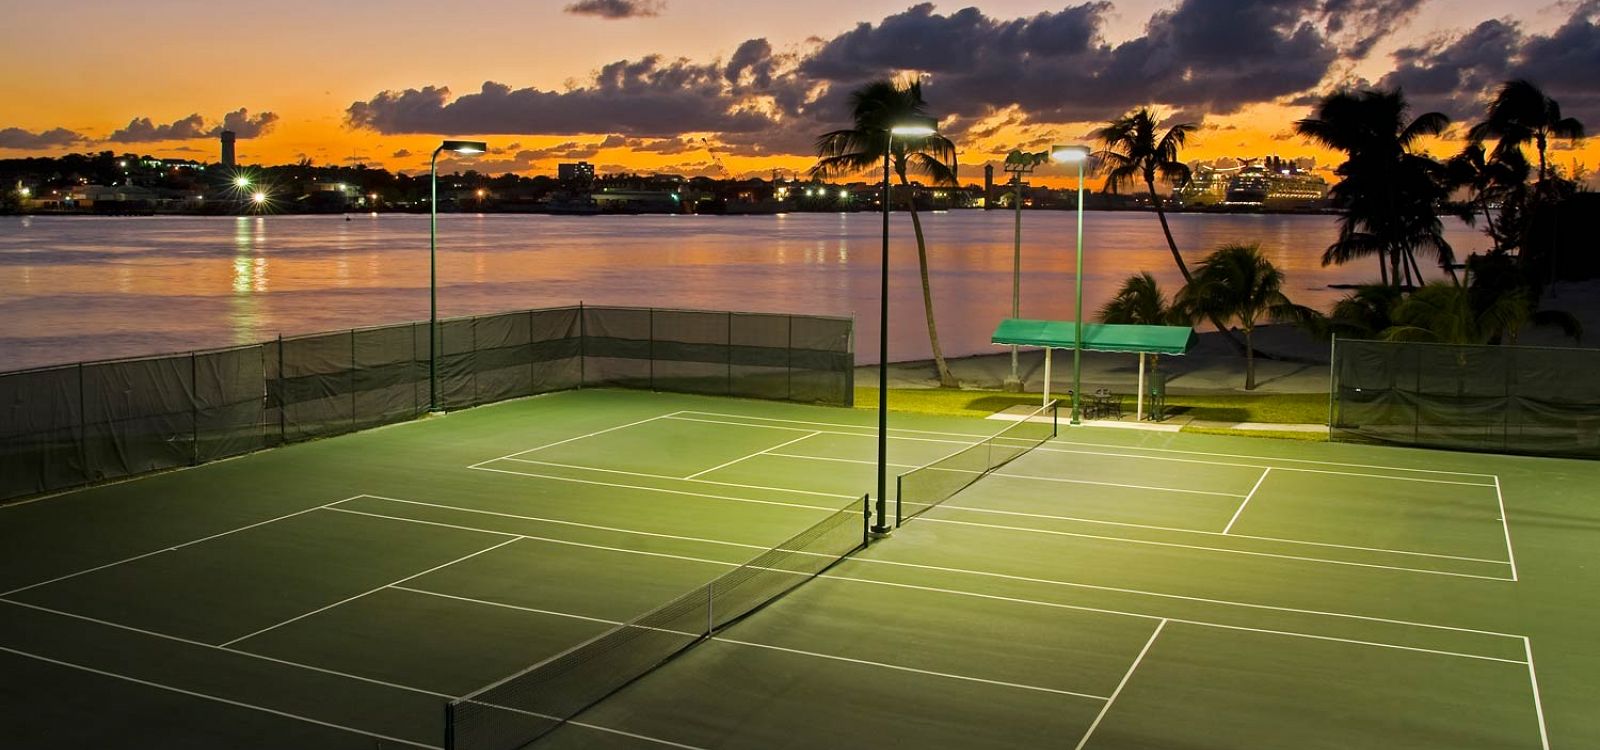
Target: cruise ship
{"type": "Point", "coordinates": [1271, 183]}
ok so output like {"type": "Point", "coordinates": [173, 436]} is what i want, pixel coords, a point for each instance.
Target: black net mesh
{"type": "Point", "coordinates": [924, 487]}
{"type": "Point", "coordinates": [525, 706]}
{"type": "Point", "coordinates": [63, 427]}
{"type": "Point", "coordinates": [1505, 399]}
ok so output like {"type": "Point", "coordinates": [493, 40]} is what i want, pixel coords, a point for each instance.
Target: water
{"type": "Point", "coordinates": [76, 288]}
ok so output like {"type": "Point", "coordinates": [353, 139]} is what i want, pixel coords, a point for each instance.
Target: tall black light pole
{"type": "Point", "coordinates": [460, 147]}
{"type": "Point", "coordinates": [909, 129]}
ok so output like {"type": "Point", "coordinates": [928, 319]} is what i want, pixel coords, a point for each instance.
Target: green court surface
{"type": "Point", "coordinates": [1113, 589]}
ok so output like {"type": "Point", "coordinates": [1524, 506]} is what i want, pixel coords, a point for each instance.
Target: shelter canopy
{"type": "Point", "coordinates": [1097, 337]}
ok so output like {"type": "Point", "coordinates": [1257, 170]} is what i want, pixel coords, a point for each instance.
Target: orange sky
{"type": "Point", "coordinates": [93, 66]}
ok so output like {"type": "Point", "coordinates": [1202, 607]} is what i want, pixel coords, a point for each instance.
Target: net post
{"type": "Point", "coordinates": [866, 519]}
{"type": "Point", "coordinates": [1055, 418]}
{"type": "Point", "coordinates": [449, 725]}
{"type": "Point", "coordinates": [899, 497]}
{"type": "Point", "coordinates": [711, 595]}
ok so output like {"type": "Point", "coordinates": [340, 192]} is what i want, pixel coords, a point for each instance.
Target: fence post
{"type": "Point", "coordinates": [353, 380]}
{"type": "Point", "coordinates": [283, 406]}
{"type": "Point", "coordinates": [83, 429]}
{"type": "Point", "coordinates": [449, 716]}
{"type": "Point", "coordinates": [728, 342]}
{"type": "Point", "coordinates": [194, 411]}
{"type": "Point", "coordinates": [651, 343]}
{"type": "Point", "coordinates": [1333, 381]}
{"type": "Point", "coordinates": [788, 356]}
{"type": "Point", "coordinates": [583, 346]}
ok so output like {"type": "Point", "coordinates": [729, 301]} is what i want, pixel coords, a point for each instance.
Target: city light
{"type": "Point", "coordinates": [258, 198]}
{"type": "Point", "coordinates": [241, 182]}
{"type": "Point", "coordinates": [25, 192]}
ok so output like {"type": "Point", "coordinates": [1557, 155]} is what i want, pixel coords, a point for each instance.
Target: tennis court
{"type": "Point", "coordinates": [1109, 589]}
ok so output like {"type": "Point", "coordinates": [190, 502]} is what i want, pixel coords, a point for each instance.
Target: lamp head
{"type": "Point", "coordinates": [1069, 154]}
{"type": "Point", "coordinates": [917, 127]}
{"type": "Point", "coordinates": [464, 147]}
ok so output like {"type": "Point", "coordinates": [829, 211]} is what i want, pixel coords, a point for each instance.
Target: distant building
{"type": "Point", "coordinates": [988, 186]}
{"type": "Point", "coordinates": [228, 158]}
{"type": "Point", "coordinates": [580, 171]}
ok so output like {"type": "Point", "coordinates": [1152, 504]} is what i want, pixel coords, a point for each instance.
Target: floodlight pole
{"type": "Point", "coordinates": [433, 280]}
{"type": "Point", "coordinates": [1077, 335]}
{"type": "Point", "coordinates": [460, 147]}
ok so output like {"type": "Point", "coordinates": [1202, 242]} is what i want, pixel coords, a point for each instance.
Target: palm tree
{"type": "Point", "coordinates": [875, 108]}
{"type": "Point", "coordinates": [1133, 151]}
{"type": "Point", "coordinates": [1450, 314]}
{"type": "Point", "coordinates": [1140, 301]}
{"type": "Point", "coordinates": [1522, 113]}
{"type": "Point", "coordinates": [1388, 192]}
{"type": "Point", "coordinates": [1236, 282]}
{"type": "Point", "coordinates": [1498, 177]}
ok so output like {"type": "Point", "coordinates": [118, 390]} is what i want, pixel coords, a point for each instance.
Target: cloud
{"type": "Point", "coordinates": [26, 139]}
{"type": "Point", "coordinates": [616, 9]}
{"type": "Point", "coordinates": [401, 154]}
{"type": "Point", "coordinates": [1196, 57]}
{"type": "Point", "coordinates": [1457, 74]}
{"type": "Point", "coordinates": [145, 130]}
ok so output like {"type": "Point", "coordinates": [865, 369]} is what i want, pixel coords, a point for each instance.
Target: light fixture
{"type": "Point", "coordinates": [1075, 155]}
{"type": "Point", "coordinates": [460, 147]}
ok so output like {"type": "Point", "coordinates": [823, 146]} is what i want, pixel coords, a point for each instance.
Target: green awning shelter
{"type": "Point", "coordinates": [1097, 337]}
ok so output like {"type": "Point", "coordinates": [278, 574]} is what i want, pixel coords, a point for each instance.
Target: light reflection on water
{"type": "Point", "coordinates": [86, 288]}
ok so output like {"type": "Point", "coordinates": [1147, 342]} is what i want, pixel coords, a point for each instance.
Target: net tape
{"type": "Point", "coordinates": [528, 705]}
{"type": "Point", "coordinates": [925, 487]}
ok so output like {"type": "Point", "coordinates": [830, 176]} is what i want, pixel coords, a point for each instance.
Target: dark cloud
{"type": "Point", "coordinates": [616, 9]}
{"type": "Point", "coordinates": [1457, 74]}
{"type": "Point", "coordinates": [145, 130]}
{"type": "Point", "coordinates": [1194, 59]}
{"type": "Point", "coordinates": [401, 154]}
{"type": "Point", "coordinates": [27, 139]}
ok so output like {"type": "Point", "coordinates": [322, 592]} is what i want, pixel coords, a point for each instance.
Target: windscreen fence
{"type": "Point", "coordinates": [1501, 399]}
{"type": "Point", "coordinates": [73, 425]}
{"type": "Point", "coordinates": [925, 487]}
{"type": "Point", "coordinates": [528, 705]}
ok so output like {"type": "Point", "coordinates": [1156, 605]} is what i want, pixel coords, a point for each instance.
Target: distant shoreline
{"type": "Point", "coordinates": [148, 213]}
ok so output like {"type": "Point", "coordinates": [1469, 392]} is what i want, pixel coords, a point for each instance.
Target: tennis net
{"type": "Point", "coordinates": [528, 705]}
{"type": "Point", "coordinates": [926, 486]}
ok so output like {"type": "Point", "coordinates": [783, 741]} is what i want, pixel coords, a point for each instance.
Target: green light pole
{"type": "Point", "coordinates": [1019, 165]}
{"type": "Point", "coordinates": [460, 147]}
{"type": "Point", "coordinates": [1078, 155]}
{"type": "Point", "coordinates": [922, 129]}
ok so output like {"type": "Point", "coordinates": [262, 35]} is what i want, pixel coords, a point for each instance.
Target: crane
{"type": "Point", "coordinates": [715, 159]}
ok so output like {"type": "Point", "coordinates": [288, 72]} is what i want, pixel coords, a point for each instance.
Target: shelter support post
{"type": "Point", "coordinates": [1138, 410]}
{"type": "Point", "coordinates": [1047, 351]}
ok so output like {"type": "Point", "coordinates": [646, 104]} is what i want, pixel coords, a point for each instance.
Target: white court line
{"type": "Point", "coordinates": [1128, 447]}
{"type": "Point", "coordinates": [976, 510]}
{"type": "Point", "coordinates": [1063, 480]}
{"type": "Point", "coordinates": [1180, 597]}
{"type": "Point", "coordinates": [365, 593]}
{"type": "Point", "coordinates": [1121, 685]}
{"type": "Point", "coordinates": [1153, 543]}
{"type": "Point", "coordinates": [312, 668]}
{"type": "Point", "coordinates": [1235, 519]}
{"type": "Point", "coordinates": [753, 455]}
{"type": "Point", "coordinates": [1505, 524]}
{"type": "Point", "coordinates": [1538, 704]}
{"type": "Point", "coordinates": [1007, 576]}
{"type": "Point", "coordinates": [1145, 616]}
{"type": "Point", "coordinates": [1069, 451]}
{"type": "Point", "coordinates": [700, 495]}
{"type": "Point", "coordinates": [581, 437]}
{"type": "Point", "coordinates": [228, 701]}
{"type": "Point", "coordinates": [1181, 530]}
{"type": "Point", "coordinates": [169, 549]}
{"type": "Point", "coordinates": [770, 647]}
{"type": "Point", "coordinates": [552, 521]}
{"type": "Point", "coordinates": [669, 477]}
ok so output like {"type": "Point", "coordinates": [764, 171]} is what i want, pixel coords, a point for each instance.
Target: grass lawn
{"type": "Point", "coordinates": [1282, 408]}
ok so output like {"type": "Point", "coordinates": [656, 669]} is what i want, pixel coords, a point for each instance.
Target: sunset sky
{"type": "Point", "coordinates": [636, 84]}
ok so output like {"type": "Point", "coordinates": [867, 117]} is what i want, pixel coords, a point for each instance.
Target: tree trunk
{"type": "Point", "coordinates": [1249, 362]}
{"type": "Point", "coordinates": [1542, 145]}
{"type": "Point", "coordinates": [946, 378]}
{"type": "Point", "coordinates": [1383, 269]}
{"type": "Point", "coordinates": [1177, 257]}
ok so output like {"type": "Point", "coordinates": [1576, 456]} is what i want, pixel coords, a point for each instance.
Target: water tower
{"type": "Point", "coordinates": [228, 159]}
